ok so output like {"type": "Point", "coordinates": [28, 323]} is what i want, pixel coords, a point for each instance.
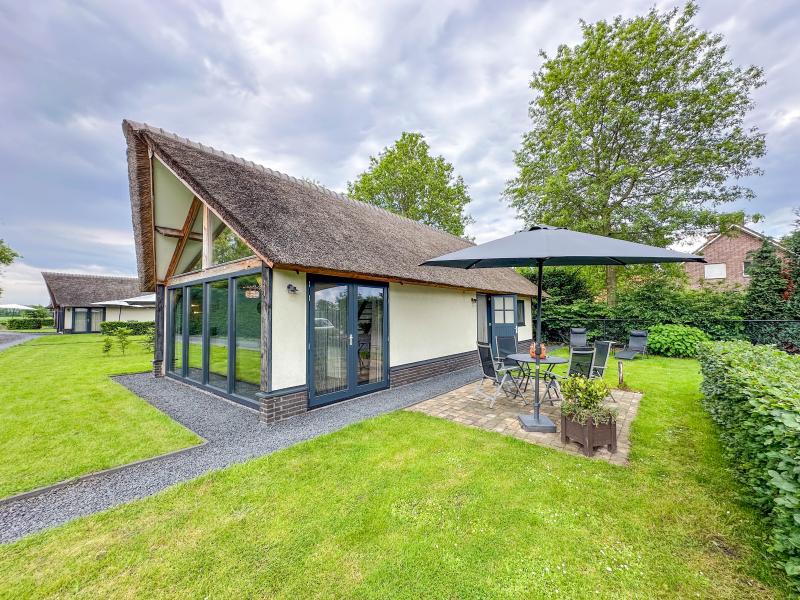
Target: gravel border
{"type": "Point", "coordinates": [233, 433]}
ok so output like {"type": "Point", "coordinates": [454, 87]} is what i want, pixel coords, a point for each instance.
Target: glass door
{"type": "Point", "coordinates": [348, 340]}
{"type": "Point", "coordinates": [95, 318]}
{"type": "Point", "coordinates": [503, 318]}
{"type": "Point", "coordinates": [80, 320]}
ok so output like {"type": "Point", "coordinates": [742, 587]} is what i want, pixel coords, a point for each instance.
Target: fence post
{"type": "Point", "coordinates": [620, 373]}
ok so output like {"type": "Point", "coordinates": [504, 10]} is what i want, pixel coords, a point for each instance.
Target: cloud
{"type": "Point", "coordinates": [311, 89]}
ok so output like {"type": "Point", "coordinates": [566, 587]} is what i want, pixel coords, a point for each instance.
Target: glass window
{"type": "Point", "coordinates": [95, 318]}
{"type": "Point", "coordinates": [218, 334]}
{"type": "Point", "coordinates": [195, 332]}
{"type": "Point", "coordinates": [248, 335]}
{"type": "Point", "coordinates": [176, 316]}
{"type": "Point", "coordinates": [79, 321]}
{"type": "Point", "coordinates": [369, 316]}
{"type": "Point", "coordinates": [192, 257]}
{"type": "Point", "coordinates": [504, 311]}
{"type": "Point", "coordinates": [520, 312]}
{"type": "Point", "coordinates": [746, 266]}
{"type": "Point", "coordinates": [483, 319]}
{"type": "Point", "coordinates": [225, 245]}
{"type": "Point", "coordinates": [331, 337]}
{"type": "Point", "coordinates": [716, 271]}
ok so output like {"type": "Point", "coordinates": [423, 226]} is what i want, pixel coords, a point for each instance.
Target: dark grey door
{"type": "Point", "coordinates": [503, 317]}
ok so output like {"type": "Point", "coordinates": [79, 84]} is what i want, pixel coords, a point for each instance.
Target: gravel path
{"type": "Point", "coordinates": [8, 338]}
{"type": "Point", "coordinates": [234, 435]}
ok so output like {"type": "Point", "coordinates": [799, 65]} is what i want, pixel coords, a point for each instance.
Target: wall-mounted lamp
{"type": "Point", "coordinates": [291, 288]}
{"type": "Point", "coordinates": [474, 300]}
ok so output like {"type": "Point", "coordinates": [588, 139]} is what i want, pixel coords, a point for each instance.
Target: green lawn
{"type": "Point", "coordinates": [410, 506]}
{"type": "Point", "coordinates": [62, 416]}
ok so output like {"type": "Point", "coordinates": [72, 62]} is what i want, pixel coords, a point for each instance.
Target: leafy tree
{"type": "Point", "coordinates": [792, 243]}
{"type": "Point", "coordinates": [562, 283]}
{"type": "Point", "coordinates": [407, 180]}
{"type": "Point", "coordinates": [637, 132]}
{"type": "Point", "coordinates": [7, 256]}
{"type": "Point", "coordinates": [765, 297]}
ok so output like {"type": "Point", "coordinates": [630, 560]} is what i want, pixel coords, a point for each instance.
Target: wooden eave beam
{"type": "Point", "coordinates": [194, 209]}
{"type": "Point", "coordinates": [171, 232]}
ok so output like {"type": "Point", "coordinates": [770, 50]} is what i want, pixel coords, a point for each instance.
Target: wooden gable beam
{"type": "Point", "coordinates": [194, 209]}
{"type": "Point", "coordinates": [171, 232]}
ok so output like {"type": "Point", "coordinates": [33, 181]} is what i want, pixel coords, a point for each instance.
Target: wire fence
{"type": "Point", "coordinates": [784, 333]}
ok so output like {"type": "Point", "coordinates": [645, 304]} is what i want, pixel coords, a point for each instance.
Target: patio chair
{"type": "Point", "coordinates": [506, 344]}
{"type": "Point", "coordinates": [637, 344]}
{"type": "Point", "coordinates": [500, 375]}
{"type": "Point", "coordinates": [581, 362]}
{"type": "Point", "coordinates": [602, 350]}
{"type": "Point", "coordinates": [577, 337]}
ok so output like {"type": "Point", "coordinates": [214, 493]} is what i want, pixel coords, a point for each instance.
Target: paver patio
{"type": "Point", "coordinates": [466, 405]}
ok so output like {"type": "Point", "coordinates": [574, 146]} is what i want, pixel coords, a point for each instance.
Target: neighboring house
{"type": "Point", "coordinates": [727, 263]}
{"type": "Point", "coordinates": [284, 296]}
{"type": "Point", "coordinates": [81, 302]}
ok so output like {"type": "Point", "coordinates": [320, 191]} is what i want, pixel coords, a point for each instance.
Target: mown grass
{"type": "Point", "coordinates": [61, 415]}
{"type": "Point", "coordinates": [410, 506]}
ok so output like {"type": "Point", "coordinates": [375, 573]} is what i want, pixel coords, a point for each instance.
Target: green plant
{"type": "Point", "coordinates": [149, 340]}
{"type": "Point", "coordinates": [753, 394]}
{"type": "Point", "coordinates": [135, 327]}
{"type": "Point", "coordinates": [583, 398]}
{"type": "Point", "coordinates": [680, 341]}
{"type": "Point", "coordinates": [122, 335]}
{"type": "Point", "coordinates": [107, 344]}
{"type": "Point", "coordinates": [24, 323]}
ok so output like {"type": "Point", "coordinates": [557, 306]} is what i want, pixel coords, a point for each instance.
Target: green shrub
{"type": "Point", "coordinates": [24, 323]}
{"type": "Point", "coordinates": [753, 395]}
{"type": "Point", "coordinates": [675, 340]}
{"type": "Point", "coordinates": [134, 327]}
{"type": "Point", "coordinates": [583, 398]}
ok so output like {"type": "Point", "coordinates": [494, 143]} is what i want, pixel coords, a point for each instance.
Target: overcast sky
{"type": "Point", "coordinates": [312, 90]}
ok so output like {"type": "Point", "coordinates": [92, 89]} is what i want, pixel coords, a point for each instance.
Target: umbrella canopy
{"type": "Point", "coordinates": [540, 246]}
{"type": "Point", "coordinates": [15, 307]}
{"type": "Point", "coordinates": [556, 246]}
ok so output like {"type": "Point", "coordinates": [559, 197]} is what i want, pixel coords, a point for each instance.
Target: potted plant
{"type": "Point", "coordinates": [584, 417]}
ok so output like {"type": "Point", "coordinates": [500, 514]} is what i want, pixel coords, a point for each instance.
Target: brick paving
{"type": "Point", "coordinates": [467, 406]}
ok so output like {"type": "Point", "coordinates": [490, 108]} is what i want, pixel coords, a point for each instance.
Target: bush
{"type": "Point", "coordinates": [134, 327]}
{"type": "Point", "coordinates": [675, 340]}
{"type": "Point", "coordinates": [583, 398]}
{"type": "Point", "coordinates": [753, 395]}
{"type": "Point", "coordinates": [24, 323]}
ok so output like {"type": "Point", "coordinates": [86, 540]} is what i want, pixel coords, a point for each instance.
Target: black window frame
{"type": "Point", "coordinates": [520, 312]}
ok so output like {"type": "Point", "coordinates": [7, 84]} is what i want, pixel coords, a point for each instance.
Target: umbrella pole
{"type": "Point", "coordinates": [537, 422]}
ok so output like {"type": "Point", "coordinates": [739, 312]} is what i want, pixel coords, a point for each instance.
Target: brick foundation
{"type": "Point", "coordinates": [158, 368]}
{"type": "Point", "coordinates": [276, 407]}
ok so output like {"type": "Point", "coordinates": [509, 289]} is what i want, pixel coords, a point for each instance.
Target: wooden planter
{"type": "Point", "coordinates": [591, 435]}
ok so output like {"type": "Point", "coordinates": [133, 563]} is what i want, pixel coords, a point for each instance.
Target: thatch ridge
{"type": "Point", "coordinates": [297, 224]}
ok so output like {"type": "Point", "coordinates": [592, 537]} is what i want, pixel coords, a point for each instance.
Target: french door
{"type": "Point", "coordinates": [497, 316]}
{"type": "Point", "coordinates": [87, 320]}
{"type": "Point", "coordinates": [348, 339]}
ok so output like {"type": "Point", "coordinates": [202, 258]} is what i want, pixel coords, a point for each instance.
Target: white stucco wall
{"type": "Point", "coordinates": [525, 332]}
{"type": "Point", "coordinates": [127, 313]}
{"type": "Point", "coordinates": [288, 330]}
{"type": "Point", "coordinates": [427, 322]}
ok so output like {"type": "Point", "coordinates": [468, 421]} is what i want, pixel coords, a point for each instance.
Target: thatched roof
{"type": "Point", "coordinates": [71, 289]}
{"type": "Point", "coordinates": [296, 224]}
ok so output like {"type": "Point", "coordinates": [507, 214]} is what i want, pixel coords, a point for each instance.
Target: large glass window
{"type": "Point", "coordinates": [483, 319]}
{"type": "Point", "coordinates": [225, 245]}
{"type": "Point", "coordinates": [248, 335]}
{"type": "Point", "coordinates": [192, 257]}
{"type": "Point", "coordinates": [95, 318]}
{"type": "Point", "coordinates": [79, 321]}
{"type": "Point", "coordinates": [331, 338]}
{"type": "Point", "coordinates": [195, 327]}
{"type": "Point", "coordinates": [176, 318]}
{"type": "Point", "coordinates": [369, 320]}
{"type": "Point", "coordinates": [218, 334]}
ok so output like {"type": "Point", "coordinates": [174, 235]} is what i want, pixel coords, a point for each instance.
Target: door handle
{"type": "Point", "coordinates": [351, 339]}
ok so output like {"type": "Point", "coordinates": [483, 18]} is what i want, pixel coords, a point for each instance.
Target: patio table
{"type": "Point", "coordinates": [526, 360]}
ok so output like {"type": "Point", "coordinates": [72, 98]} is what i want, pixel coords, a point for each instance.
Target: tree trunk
{"type": "Point", "coordinates": [611, 285]}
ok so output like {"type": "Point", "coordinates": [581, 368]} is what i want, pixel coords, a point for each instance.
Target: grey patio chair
{"type": "Point", "coordinates": [497, 373]}
{"type": "Point", "coordinates": [637, 344]}
{"type": "Point", "coordinates": [581, 362]}
{"type": "Point", "coordinates": [602, 350]}
{"type": "Point", "coordinates": [506, 344]}
{"type": "Point", "coordinates": [577, 337]}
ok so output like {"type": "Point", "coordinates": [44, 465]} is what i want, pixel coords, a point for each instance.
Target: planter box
{"type": "Point", "coordinates": [591, 435]}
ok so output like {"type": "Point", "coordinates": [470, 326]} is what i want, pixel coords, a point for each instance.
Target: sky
{"type": "Point", "coordinates": [311, 89]}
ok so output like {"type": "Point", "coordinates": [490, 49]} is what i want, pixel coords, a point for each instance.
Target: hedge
{"type": "Point", "coordinates": [753, 395]}
{"type": "Point", "coordinates": [28, 323]}
{"type": "Point", "coordinates": [679, 341]}
{"type": "Point", "coordinates": [136, 327]}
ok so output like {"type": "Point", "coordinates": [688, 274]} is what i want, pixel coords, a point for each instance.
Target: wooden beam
{"type": "Point", "coordinates": [185, 231]}
{"type": "Point", "coordinates": [171, 232]}
{"type": "Point", "coordinates": [252, 262]}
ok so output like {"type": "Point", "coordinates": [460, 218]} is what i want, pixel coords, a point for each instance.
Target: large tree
{"type": "Point", "coordinates": [792, 243]}
{"type": "Point", "coordinates": [638, 132]}
{"type": "Point", "coordinates": [407, 180]}
{"type": "Point", "coordinates": [7, 256]}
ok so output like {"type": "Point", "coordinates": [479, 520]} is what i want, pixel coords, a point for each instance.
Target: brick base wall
{"type": "Point", "coordinates": [275, 407]}
{"type": "Point", "coordinates": [158, 370]}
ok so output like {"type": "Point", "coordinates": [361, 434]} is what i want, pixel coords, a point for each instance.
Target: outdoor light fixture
{"type": "Point", "coordinates": [474, 300]}
{"type": "Point", "coordinates": [292, 288]}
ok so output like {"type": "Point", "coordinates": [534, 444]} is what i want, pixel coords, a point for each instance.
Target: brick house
{"type": "Point", "coordinates": [726, 257]}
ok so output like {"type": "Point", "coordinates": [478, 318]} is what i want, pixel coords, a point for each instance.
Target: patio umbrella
{"type": "Point", "coordinates": [541, 246]}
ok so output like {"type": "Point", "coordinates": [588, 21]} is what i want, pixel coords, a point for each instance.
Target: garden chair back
{"type": "Point", "coordinates": [506, 344]}
{"type": "Point", "coordinates": [581, 362]}
{"type": "Point", "coordinates": [602, 350]}
{"type": "Point", "coordinates": [497, 373]}
{"type": "Point", "coordinates": [577, 337]}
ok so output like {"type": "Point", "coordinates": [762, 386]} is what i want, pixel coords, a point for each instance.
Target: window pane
{"type": "Point", "coordinates": [195, 326]}
{"type": "Point", "coordinates": [520, 312]}
{"type": "Point", "coordinates": [715, 271]}
{"type": "Point", "coordinates": [96, 317]}
{"type": "Point", "coordinates": [483, 322]}
{"type": "Point", "coordinates": [248, 335]}
{"type": "Point", "coordinates": [176, 316]}
{"type": "Point", "coordinates": [746, 268]}
{"type": "Point", "coordinates": [218, 334]}
{"type": "Point", "coordinates": [369, 313]}
{"type": "Point", "coordinates": [79, 320]}
{"type": "Point", "coordinates": [226, 245]}
{"type": "Point", "coordinates": [499, 316]}
{"type": "Point", "coordinates": [192, 256]}
{"type": "Point", "coordinates": [331, 338]}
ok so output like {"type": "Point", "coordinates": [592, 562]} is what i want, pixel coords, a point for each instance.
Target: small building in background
{"type": "Point", "coordinates": [727, 258]}
{"type": "Point", "coordinates": [81, 302]}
